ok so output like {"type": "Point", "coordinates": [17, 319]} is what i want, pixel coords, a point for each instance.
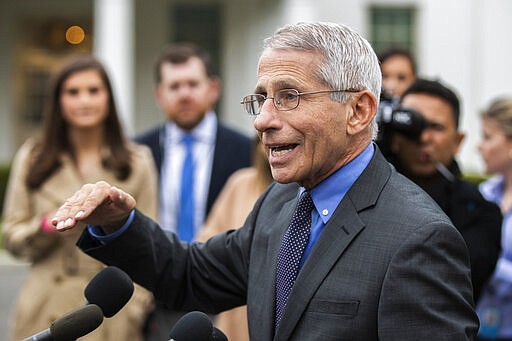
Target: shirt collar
{"type": "Point", "coordinates": [328, 194]}
{"type": "Point", "coordinates": [492, 189]}
{"type": "Point", "coordinates": [203, 132]}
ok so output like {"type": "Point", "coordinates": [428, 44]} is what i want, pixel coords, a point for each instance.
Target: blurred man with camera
{"type": "Point", "coordinates": [422, 139]}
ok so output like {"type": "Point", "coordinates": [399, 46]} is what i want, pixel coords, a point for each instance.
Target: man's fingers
{"type": "Point", "coordinates": [80, 205]}
{"type": "Point", "coordinates": [64, 217]}
{"type": "Point", "coordinates": [121, 199]}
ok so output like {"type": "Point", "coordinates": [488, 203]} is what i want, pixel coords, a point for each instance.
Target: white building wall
{"type": "Point", "coordinates": [463, 43]}
{"type": "Point", "coordinates": [247, 23]}
{"type": "Point", "coordinates": [466, 43]}
{"type": "Point", "coordinates": [495, 48]}
{"type": "Point", "coordinates": [446, 48]}
{"type": "Point", "coordinates": [495, 51]}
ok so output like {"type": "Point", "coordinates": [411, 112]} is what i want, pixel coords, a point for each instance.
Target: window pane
{"type": "Point", "coordinates": [392, 26]}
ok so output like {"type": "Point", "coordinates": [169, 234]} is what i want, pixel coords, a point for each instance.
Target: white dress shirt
{"type": "Point", "coordinates": [204, 144]}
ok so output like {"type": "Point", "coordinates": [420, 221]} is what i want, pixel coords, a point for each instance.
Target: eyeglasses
{"type": "Point", "coordinates": [284, 100]}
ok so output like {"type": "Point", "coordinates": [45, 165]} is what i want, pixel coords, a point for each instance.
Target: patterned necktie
{"type": "Point", "coordinates": [290, 253]}
{"type": "Point", "coordinates": [186, 212]}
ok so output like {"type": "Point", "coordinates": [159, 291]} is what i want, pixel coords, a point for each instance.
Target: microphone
{"type": "Point", "coordinates": [110, 289]}
{"type": "Point", "coordinates": [218, 335]}
{"type": "Point", "coordinates": [72, 325]}
{"type": "Point", "coordinates": [196, 326]}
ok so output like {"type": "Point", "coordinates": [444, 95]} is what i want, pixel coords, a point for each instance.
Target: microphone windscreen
{"type": "Point", "coordinates": [110, 289]}
{"type": "Point", "coordinates": [194, 326]}
{"type": "Point", "coordinates": [77, 323]}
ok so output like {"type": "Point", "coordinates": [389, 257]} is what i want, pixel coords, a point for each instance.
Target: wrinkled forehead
{"type": "Point", "coordinates": [277, 55]}
{"type": "Point", "coordinates": [287, 65]}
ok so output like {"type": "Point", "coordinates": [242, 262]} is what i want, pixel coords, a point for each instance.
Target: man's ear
{"type": "Point", "coordinates": [459, 137]}
{"type": "Point", "coordinates": [364, 108]}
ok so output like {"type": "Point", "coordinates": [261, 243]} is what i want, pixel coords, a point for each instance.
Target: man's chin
{"type": "Point", "coordinates": [187, 124]}
{"type": "Point", "coordinates": [282, 177]}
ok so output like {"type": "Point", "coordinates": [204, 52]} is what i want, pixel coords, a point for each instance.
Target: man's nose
{"type": "Point", "coordinates": [267, 116]}
{"type": "Point", "coordinates": [185, 91]}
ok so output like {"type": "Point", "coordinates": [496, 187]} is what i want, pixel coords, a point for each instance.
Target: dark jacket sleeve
{"type": "Point", "coordinates": [182, 276]}
{"type": "Point", "coordinates": [479, 221]}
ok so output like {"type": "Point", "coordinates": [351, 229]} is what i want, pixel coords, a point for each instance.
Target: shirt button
{"type": "Point", "coordinates": [325, 211]}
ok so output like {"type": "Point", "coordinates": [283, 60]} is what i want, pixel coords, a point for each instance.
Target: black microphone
{"type": "Point", "coordinates": [196, 326]}
{"type": "Point", "coordinates": [72, 325]}
{"type": "Point", "coordinates": [218, 335]}
{"type": "Point", "coordinates": [110, 289]}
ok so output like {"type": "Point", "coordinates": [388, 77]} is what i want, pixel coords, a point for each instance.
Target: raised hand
{"type": "Point", "coordinates": [95, 204]}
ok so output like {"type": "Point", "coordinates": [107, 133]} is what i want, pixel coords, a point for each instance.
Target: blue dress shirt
{"type": "Point", "coordinates": [328, 194]}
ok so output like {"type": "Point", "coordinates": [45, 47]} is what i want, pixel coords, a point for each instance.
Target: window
{"type": "Point", "coordinates": [36, 81]}
{"type": "Point", "coordinates": [392, 27]}
{"type": "Point", "coordinates": [200, 24]}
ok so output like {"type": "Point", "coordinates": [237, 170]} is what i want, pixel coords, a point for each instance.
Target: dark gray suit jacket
{"type": "Point", "coordinates": [389, 265]}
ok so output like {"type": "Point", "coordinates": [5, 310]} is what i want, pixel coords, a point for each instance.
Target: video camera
{"type": "Point", "coordinates": [393, 118]}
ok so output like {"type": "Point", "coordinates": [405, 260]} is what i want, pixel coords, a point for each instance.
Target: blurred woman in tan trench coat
{"type": "Point", "coordinates": [81, 142]}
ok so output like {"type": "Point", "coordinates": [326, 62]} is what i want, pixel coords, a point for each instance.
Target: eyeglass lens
{"type": "Point", "coordinates": [286, 99]}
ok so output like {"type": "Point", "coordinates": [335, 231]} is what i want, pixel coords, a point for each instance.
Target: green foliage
{"type": "Point", "coordinates": [475, 178]}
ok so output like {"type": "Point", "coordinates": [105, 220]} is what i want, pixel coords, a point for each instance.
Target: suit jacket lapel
{"type": "Point", "coordinates": [220, 157]}
{"type": "Point", "coordinates": [342, 228]}
{"type": "Point", "coordinates": [265, 287]}
{"type": "Point", "coordinates": [157, 147]}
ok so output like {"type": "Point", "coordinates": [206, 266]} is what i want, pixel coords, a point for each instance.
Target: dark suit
{"type": "Point", "coordinates": [478, 221]}
{"type": "Point", "coordinates": [389, 265]}
{"type": "Point", "coordinates": [232, 151]}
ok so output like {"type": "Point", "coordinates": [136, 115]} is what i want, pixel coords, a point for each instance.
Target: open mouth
{"type": "Point", "coordinates": [281, 150]}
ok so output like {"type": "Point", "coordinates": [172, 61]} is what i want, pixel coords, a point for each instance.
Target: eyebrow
{"type": "Point", "coordinates": [278, 85]}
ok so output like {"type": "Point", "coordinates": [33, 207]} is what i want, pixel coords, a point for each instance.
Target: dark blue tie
{"type": "Point", "coordinates": [186, 212]}
{"type": "Point", "coordinates": [290, 253]}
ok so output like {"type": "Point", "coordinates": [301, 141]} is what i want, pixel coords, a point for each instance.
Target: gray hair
{"type": "Point", "coordinates": [348, 62]}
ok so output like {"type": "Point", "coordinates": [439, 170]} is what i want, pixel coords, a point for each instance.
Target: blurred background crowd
{"type": "Point", "coordinates": [463, 45]}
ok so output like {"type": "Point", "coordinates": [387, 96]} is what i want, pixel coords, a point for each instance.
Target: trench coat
{"type": "Point", "coordinates": [59, 271]}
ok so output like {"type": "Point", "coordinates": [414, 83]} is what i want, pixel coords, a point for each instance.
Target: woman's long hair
{"type": "Point", "coordinates": [46, 156]}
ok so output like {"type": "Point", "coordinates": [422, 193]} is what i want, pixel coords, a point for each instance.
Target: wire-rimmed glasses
{"type": "Point", "coordinates": [284, 100]}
